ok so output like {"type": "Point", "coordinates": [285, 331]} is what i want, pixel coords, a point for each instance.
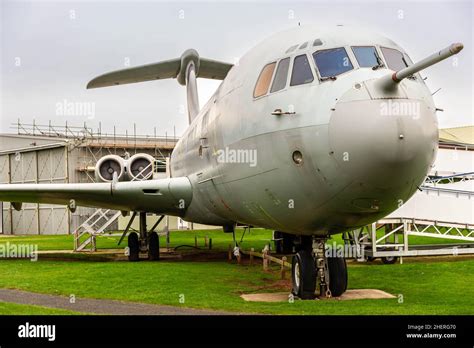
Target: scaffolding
{"type": "Point", "coordinates": [95, 144]}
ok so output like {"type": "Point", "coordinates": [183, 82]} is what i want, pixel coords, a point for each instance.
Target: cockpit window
{"type": "Point", "coordinates": [281, 75]}
{"type": "Point", "coordinates": [263, 82]}
{"type": "Point", "coordinates": [301, 73]}
{"type": "Point", "coordinates": [394, 58]}
{"type": "Point", "coordinates": [332, 62]}
{"type": "Point", "coordinates": [367, 56]}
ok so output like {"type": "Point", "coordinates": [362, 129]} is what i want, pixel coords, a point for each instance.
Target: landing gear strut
{"type": "Point", "coordinates": [316, 274]}
{"type": "Point", "coordinates": [146, 242]}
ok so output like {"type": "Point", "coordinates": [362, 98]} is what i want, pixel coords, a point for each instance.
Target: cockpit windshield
{"type": "Point", "coordinates": [394, 58]}
{"type": "Point", "coordinates": [367, 56]}
{"type": "Point", "coordinates": [332, 62]}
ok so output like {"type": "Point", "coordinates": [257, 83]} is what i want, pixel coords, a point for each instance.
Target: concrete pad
{"type": "Point", "coordinates": [352, 294]}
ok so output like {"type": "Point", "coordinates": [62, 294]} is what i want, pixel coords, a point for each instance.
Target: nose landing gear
{"type": "Point", "coordinates": [316, 272]}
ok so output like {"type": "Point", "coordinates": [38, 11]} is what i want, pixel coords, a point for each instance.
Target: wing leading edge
{"type": "Point", "coordinates": [169, 196]}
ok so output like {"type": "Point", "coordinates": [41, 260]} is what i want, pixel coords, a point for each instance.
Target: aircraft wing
{"type": "Point", "coordinates": [169, 196]}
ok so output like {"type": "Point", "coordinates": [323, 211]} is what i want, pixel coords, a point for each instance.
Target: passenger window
{"type": "Point", "coordinates": [301, 73]}
{"type": "Point", "coordinates": [281, 75]}
{"type": "Point", "coordinates": [263, 82]}
{"type": "Point", "coordinates": [394, 58]}
{"type": "Point", "coordinates": [367, 56]}
{"type": "Point", "coordinates": [332, 62]}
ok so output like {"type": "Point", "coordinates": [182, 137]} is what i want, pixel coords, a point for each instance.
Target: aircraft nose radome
{"type": "Point", "coordinates": [385, 145]}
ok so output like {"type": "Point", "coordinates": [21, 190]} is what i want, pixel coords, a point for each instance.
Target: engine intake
{"type": "Point", "coordinates": [107, 166]}
{"type": "Point", "coordinates": [141, 167]}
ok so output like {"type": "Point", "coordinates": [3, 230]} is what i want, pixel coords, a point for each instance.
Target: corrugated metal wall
{"type": "Point", "coordinates": [48, 165]}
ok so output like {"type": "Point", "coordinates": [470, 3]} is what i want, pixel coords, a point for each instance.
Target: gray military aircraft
{"type": "Point", "coordinates": [314, 132]}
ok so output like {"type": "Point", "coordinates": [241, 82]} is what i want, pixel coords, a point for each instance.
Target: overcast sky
{"type": "Point", "coordinates": [50, 50]}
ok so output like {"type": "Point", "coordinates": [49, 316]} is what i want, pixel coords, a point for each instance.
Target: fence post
{"type": "Point", "coordinates": [265, 261]}
{"type": "Point", "coordinates": [229, 254]}
{"type": "Point", "coordinates": [283, 267]}
{"type": "Point", "coordinates": [196, 241]}
{"type": "Point", "coordinates": [251, 256]}
{"type": "Point", "coordinates": [269, 260]}
{"type": "Point", "coordinates": [210, 243]}
{"type": "Point", "coordinates": [205, 241]}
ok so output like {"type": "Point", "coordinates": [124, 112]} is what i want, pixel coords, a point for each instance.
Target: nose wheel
{"type": "Point", "coordinates": [304, 275]}
{"type": "Point", "coordinates": [312, 269]}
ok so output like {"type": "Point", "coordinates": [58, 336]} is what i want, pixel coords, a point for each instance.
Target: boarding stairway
{"type": "Point", "coordinates": [101, 219]}
{"type": "Point", "coordinates": [442, 211]}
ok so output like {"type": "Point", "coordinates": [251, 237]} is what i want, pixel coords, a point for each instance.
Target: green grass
{"type": "Point", "coordinates": [427, 288]}
{"type": "Point", "coordinates": [220, 241]}
{"type": "Point", "coordinates": [20, 309]}
{"type": "Point", "coordinates": [256, 238]}
{"type": "Point", "coordinates": [435, 287]}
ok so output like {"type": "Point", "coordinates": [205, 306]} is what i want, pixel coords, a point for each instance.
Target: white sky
{"type": "Point", "coordinates": [50, 50]}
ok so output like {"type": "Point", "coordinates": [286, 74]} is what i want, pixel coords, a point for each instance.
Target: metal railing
{"type": "Point", "coordinates": [84, 132]}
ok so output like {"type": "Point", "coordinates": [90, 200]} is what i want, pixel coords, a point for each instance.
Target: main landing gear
{"type": "Point", "coordinates": [316, 274]}
{"type": "Point", "coordinates": [146, 242]}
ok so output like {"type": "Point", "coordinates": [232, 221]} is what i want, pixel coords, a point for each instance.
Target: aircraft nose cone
{"type": "Point", "coordinates": [384, 147]}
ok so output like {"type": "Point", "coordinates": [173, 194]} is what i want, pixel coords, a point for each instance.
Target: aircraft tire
{"type": "Point", "coordinates": [337, 275]}
{"type": "Point", "coordinates": [133, 247]}
{"type": "Point", "coordinates": [153, 247]}
{"type": "Point", "coordinates": [303, 275]}
{"type": "Point", "coordinates": [389, 260]}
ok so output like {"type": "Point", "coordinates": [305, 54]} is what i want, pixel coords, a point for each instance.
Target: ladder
{"type": "Point", "coordinates": [96, 224]}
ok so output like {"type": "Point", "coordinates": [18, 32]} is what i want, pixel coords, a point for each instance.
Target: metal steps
{"type": "Point", "coordinates": [96, 224]}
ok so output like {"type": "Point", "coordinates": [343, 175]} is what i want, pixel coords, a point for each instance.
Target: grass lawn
{"type": "Point", "coordinates": [20, 309]}
{"type": "Point", "coordinates": [435, 287]}
{"type": "Point", "coordinates": [256, 238]}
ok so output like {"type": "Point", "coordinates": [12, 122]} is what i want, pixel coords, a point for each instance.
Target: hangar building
{"type": "Point", "coordinates": [51, 154]}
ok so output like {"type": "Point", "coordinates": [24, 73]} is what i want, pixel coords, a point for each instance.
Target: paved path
{"type": "Point", "coordinates": [95, 306]}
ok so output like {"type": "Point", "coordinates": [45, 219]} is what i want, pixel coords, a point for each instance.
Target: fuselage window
{"type": "Point", "coordinates": [367, 56]}
{"type": "Point", "coordinates": [263, 82]}
{"type": "Point", "coordinates": [281, 75]}
{"type": "Point", "coordinates": [332, 62]}
{"type": "Point", "coordinates": [317, 42]}
{"type": "Point", "coordinates": [291, 49]}
{"type": "Point", "coordinates": [301, 73]}
{"type": "Point", "coordinates": [303, 46]}
{"type": "Point", "coordinates": [394, 58]}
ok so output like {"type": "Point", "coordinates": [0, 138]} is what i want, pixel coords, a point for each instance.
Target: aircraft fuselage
{"type": "Point", "coordinates": [345, 154]}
